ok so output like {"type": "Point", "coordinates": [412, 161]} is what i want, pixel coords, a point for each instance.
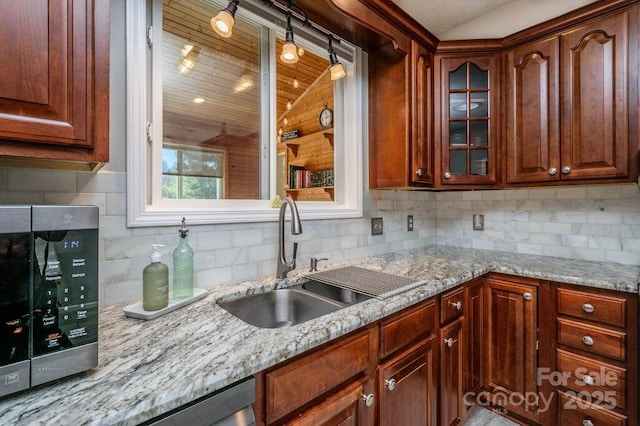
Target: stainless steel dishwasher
{"type": "Point", "coordinates": [230, 406]}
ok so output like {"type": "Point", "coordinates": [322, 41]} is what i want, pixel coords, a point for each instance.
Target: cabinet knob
{"type": "Point", "coordinates": [419, 172]}
{"type": "Point", "coordinates": [390, 384]}
{"type": "Point", "coordinates": [588, 422]}
{"type": "Point", "coordinates": [456, 305]}
{"type": "Point", "coordinates": [552, 171]}
{"type": "Point", "coordinates": [450, 341]}
{"type": "Point", "coordinates": [368, 399]}
{"type": "Point", "coordinates": [588, 308]}
{"type": "Point", "coordinates": [587, 340]}
{"type": "Point", "coordinates": [527, 296]}
{"type": "Point", "coordinates": [588, 380]}
{"type": "Point", "coordinates": [447, 175]}
{"type": "Point", "coordinates": [566, 170]}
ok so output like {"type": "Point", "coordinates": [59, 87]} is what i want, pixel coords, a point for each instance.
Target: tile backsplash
{"type": "Point", "coordinates": [594, 223]}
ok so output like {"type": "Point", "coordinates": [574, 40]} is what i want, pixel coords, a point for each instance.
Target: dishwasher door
{"type": "Point", "coordinates": [230, 406]}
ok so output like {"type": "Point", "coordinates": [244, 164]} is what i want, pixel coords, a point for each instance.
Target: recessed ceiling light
{"type": "Point", "coordinates": [198, 100]}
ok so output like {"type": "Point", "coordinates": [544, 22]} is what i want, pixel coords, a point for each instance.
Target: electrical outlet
{"type": "Point", "coordinates": [410, 222]}
{"type": "Point", "coordinates": [478, 222]}
{"type": "Point", "coordinates": [376, 226]}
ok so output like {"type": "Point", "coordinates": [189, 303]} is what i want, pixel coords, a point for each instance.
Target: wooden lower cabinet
{"type": "Point", "coordinates": [451, 378]}
{"type": "Point", "coordinates": [511, 345]}
{"type": "Point", "coordinates": [473, 371]}
{"type": "Point", "coordinates": [345, 408]}
{"type": "Point", "coordinates": [406, 388]}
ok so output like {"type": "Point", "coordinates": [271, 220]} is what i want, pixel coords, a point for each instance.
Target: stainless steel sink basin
{"type": "Point", "coordinates": [348, 297]}
{"type": "Point", "coordinates": [291, 306]}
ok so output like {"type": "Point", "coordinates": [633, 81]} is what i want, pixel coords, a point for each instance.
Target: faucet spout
{"type": "Point", "coordinates": [296, 228]}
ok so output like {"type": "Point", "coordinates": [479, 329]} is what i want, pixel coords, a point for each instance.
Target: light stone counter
{"type": "Point", "coordinates": [149, 367]}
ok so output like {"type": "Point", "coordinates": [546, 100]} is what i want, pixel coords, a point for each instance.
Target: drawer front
{"type": "Point", "coordinates": [597, 340]}
{"type": "Point", "coordinates": [404, 329]}
{"type": "Point", "coordinates": [451, 305]}
{"type": "Point", "coordinates": [577, 412]}
{"type": "Point", "coordinates": [604, 383]}
{"type": "Point", "coordinates": [300, 381]}
{"type": "Point", "coordinates": [595, 307]}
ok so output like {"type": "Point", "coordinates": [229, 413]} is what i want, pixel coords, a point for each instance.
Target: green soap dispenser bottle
{"type": "Point", "coordinates": [155, 282]}
{"type": "Point", "coordinates": [183, 269]}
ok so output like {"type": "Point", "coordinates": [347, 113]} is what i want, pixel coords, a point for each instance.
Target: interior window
{"type": "Point", "coordinates": [229, 126]}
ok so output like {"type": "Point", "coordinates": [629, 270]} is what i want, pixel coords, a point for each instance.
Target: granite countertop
{"type": "Point", "coordinates": [149, 367]}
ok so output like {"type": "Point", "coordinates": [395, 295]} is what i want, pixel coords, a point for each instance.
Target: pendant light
{"type": "Point", "coordinates": [223, 22]}
{"type": "Point", "coordinates": [289, 49]}
{"type": "Point", "coordinates": [336, 70]}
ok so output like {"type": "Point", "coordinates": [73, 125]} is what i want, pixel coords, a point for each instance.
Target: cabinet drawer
{"type": "Point", "coordinates": [605, 383]}
{"type": "Point", "coordinates": [595, 307]}
{"type": "Point", "coordinates": [573, 411]}
{"type": "Point", "coordinates": [341, 408]}
{"type": "Point", "coordinates": [451, 305]}
{"type": "Point", "coordinates": [401, 330]}
{"type": "Point", "coordinates": [590, 338]}
{"type": "Point", "coordinates": [300, 381]}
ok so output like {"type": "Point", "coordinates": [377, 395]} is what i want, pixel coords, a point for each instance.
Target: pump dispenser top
{"type": "Point", "coordinates": [156, 256]}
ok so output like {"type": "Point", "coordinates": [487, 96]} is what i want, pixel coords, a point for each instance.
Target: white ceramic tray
{"type": "Point", "coordinates": [136, 311]}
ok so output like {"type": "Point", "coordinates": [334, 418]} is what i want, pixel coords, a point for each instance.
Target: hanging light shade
{"type": "Point", "coordinates": [223, 22]}
{"type": "Point", "coordinates": [336, 70]}
{"type": "Point", "coordinates": [289, 49]}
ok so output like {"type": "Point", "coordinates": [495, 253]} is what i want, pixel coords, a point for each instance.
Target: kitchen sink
{"type": "Point", "coordinates": [291, 306]}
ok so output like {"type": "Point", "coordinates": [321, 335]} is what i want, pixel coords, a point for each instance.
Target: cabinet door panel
{"type": "Point", "coordinates": [510, 357]}
{"type": "Point", "coordinates": [451, 350]}
{"type": "Point", "coordinates": [595, 125]}
{"type": "Point", "coordinates": [475, 336]}
{"type": "Point", "coordinates": [422, 117]}
{"type": "Point", "coordinates": [340, 409]}
{"type": "Point", "coordinates": [44, 94]}
{"type": "Point", "coordinates": [533, 129]}
{"type": "Point", "coordinates": [410, 399]}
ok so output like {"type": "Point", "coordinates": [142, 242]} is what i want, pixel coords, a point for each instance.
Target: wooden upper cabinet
{"type": "Point", "coordinates": [469, 88]}
{"type": "Point", "coordinates": [568, 106]}
{"type": "Point", "coordinates": [595, 123]}
{"type": "Point", "coordinates": [533, 120]}
{"type": "Point", "coordinates": [400, 117]}
{"type": "Point", "coordinates": [421, 115]}
{"type": "Point", "coordinates": [54, 93]}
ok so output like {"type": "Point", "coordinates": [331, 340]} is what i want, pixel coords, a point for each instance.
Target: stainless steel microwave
{"type": "Point", "coordinates": [48, 294]}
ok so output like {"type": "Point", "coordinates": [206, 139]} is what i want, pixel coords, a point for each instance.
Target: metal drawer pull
{"type": "Point", "coordinates": [447, 175]}
{"type": "Point", "coordinates": [588, 308]}
{"type": "Point", "coordinates": [566, 170]}
{"type": "Point", "coordinates": [390, 384]}
{"type": "Point", "coordinates": [527, 296]}
{"type": "Point", "coordinates": [588, 423]}
{"type": "Point", "coordinates": [456, 305]}
{"type": "Point", "coordinates": [588, 380]}
{"type": "Point", "coordinates": [419, 172]}
{"type": "Point", "coordinates": [587, 340]}
{"type": "Point", "coordinates": [450, 341]}
{"type": "Point", "coordinates": [368, 399]}
{"type": "Point", "coordinates": [552, 171]}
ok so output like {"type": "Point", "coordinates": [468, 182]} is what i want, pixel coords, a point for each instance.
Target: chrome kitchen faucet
{"type": "Point", "coordinates": [296, 229]}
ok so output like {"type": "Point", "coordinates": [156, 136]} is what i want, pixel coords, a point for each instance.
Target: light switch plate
{"type": "Point", "coordinates": [376, 226]}
{"type": "Point", "coordinates": [410, 222]}
{"type": "Point", "coordinates": [478, 222]}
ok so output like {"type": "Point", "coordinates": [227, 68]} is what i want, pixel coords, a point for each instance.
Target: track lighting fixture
{"type": "Point", "coordinates": [336, 70]}
{"type": "Point", "coordinates": [223, 22]}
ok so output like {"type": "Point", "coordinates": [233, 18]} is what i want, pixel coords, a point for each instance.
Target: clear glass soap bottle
{"type": "Point", "coordinates": [183, 268]}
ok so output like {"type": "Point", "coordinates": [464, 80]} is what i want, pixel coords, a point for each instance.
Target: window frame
{"type": "Point", "coordinates": [142, 210]}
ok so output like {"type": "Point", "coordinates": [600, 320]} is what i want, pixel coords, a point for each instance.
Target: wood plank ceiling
{"type": "Point", "coordinates": [220, 64]}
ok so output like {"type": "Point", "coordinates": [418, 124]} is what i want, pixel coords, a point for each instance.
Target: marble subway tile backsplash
{"type": "Point", "coordinates": [594, 223]}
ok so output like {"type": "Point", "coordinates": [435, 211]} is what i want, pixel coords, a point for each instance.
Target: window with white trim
{"type": "Point", "coordinates": [204, 119]}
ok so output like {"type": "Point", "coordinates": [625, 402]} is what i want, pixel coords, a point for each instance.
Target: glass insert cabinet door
{"type": "Point", "coordinates": [469, 126]}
